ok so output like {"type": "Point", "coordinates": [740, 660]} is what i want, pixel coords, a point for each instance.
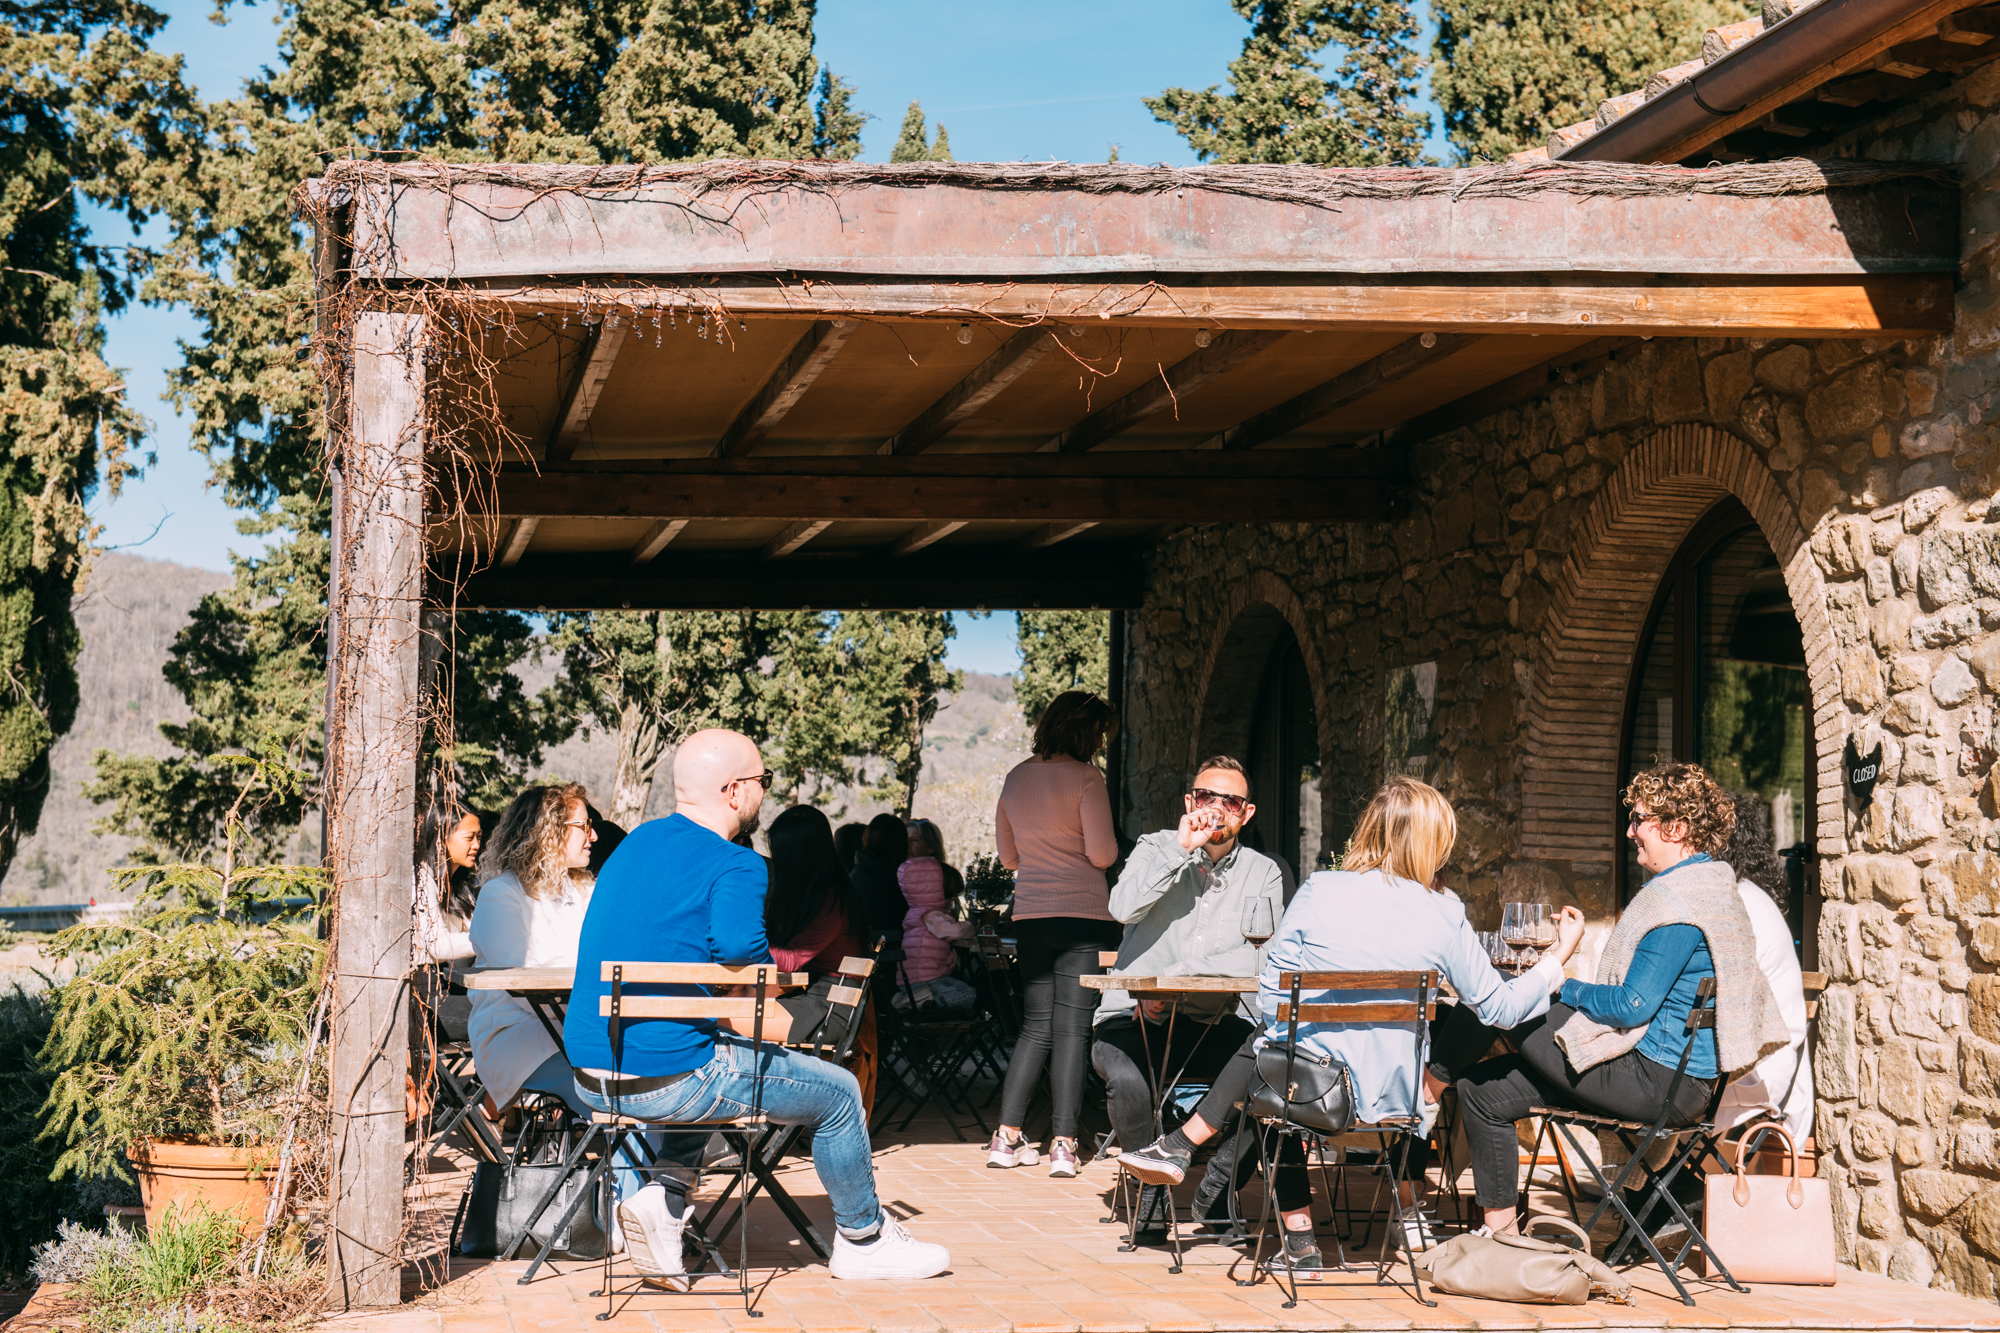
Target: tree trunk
{"type": "Point", "coordinates": [641, 745]}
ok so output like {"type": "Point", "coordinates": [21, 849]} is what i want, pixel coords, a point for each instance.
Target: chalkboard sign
{"type": "Point", "coordinates": [1863, 770]}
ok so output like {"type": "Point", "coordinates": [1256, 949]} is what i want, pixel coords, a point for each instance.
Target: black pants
{"type": "Point", "coordinates": [1495, 1093]}
{"type": "Point", "coordinates": [1129, 1053]}
{"type": "Point", "coordinates": [1057, 1009]}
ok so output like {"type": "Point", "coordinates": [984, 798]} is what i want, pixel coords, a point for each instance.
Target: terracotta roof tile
{"type": "Point", "coordinates": [1568, 135]}
{"type": "Point", "coordinates": [1611, 108]}
{"type": "Point", "coordinates": [1719, 42]}
{"type": "Point", "coordinates": [1539, 154]}
{"type": "Point", "coordinates": [1667, 78]}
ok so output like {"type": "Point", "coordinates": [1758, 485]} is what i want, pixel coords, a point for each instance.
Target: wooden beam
{"type": "Point", "coordinates": [1016, 357]}
{"type": "Point", "coordinates": [1529, 384]}
{"type": "Point", "coordinates": [656, 539]}
{"type": "Point", "coordinates": [795, 536]}
{"type": "Point", "coordinates": [782, 389]}
{"type": "Point", "coordinates": [1112, 577]}
{"type": "Point", "coordinates": [1303, 489]}
{"type": "Point", "coordinates": [930, 533]}
{"type": "Point", "coordinates": [1884, 304]}
{"type": "Point", "coordinates": [1050, 533]}
{"type": "Point", "coordinates": [371, 777]}
{"type": "Point", "coordinates": [1350, 386]}
{"type": "Point", "coordinates": [595, 359]}
{"type": "Point", "coordinates": [1164, 390]}
{"type": "Point", "coordinates": [518, 538]}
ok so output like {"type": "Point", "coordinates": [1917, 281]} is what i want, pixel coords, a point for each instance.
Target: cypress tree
{"type": "Point", "coordinates": [1281, 106]}
{"type": "Point", "coordinates": [910, 144]}
{"type": "Point", "coordinates": [941, 146]}
{"type": "Point", "coordinates": [1507, 72]}
{"type": "Point", "coordinates": [837, 133]}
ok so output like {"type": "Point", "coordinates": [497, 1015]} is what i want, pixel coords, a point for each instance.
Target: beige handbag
{"type": "Point", "coordinates": [1771, 1228]}
{"type": "Point", "coordinates": [1522, 1268]}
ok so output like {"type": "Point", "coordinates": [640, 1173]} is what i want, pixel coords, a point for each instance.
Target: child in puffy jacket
{"type": "Point", "coordinates": [930, 924]}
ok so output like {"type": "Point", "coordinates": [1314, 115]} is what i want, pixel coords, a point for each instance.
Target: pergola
{"type": "Point", "coordinates": [766, 385]}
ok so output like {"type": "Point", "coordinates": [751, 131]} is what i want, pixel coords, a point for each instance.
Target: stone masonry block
{"type": "Point", "coordinates": [1890, 879]}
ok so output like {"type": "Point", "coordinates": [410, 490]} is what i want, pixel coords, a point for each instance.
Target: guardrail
{"type": "Point", "coordinates": [51, 917]}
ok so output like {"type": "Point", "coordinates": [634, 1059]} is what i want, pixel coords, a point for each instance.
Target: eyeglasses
{"type": "Point", "coordinates": [575, 823]}
{"type": "Point", "coordinates": [1638, 818]}
{"type": "Point", "coordinates": [1233, 804]}
{"type": "Point", "coordinates": [764, 780]}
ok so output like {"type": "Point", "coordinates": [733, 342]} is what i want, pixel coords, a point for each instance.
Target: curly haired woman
{"type": "Point", "coordinates": [1611, 1046]}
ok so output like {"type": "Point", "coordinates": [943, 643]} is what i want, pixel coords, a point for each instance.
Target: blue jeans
{"type": "Point", "coordinates": [798, 1090]}
{"type": "Point", "coordinates": [555, 1077]}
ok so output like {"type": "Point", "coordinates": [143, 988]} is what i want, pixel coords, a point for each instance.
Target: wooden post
{"type": "Point", "coordinates": [1114, 760]}
{"type": "Point", "coordinates": [372, 775]}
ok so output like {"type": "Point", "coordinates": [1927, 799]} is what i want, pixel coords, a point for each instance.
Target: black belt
{"type": "Point", "coordinates": [626, 1087]}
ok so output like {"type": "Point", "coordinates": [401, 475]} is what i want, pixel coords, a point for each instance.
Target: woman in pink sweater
{"type": "Point", "coordinates": [1054, 830]}
{"type": "Point", "coordinates": [929, 925]}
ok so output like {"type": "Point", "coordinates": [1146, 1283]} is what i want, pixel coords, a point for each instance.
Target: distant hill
{"type": "Point", "coordinates": [134, 607]}
{"type": "Point", "coordinates": [128, 616]}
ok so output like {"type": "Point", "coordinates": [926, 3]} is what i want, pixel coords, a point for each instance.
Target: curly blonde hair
{"type": "Point", "coordinates": [528, 841]}
{"type": "Point", "coordinates": [1407, 830]}
{"type": "Point", "coordinates": [1685, 794]}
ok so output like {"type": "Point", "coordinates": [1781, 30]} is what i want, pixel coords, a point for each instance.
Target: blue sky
{"type": "Point", "coordinates": [1010, 79]}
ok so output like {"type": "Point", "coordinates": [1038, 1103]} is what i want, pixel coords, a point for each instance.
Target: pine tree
{"type": "Point", "coordinates": [1508, 72]}
{"type": "Point", "coordinates": [911, 145]}
{"type": "Point", "coordinates": [941, 147]}
{"type": "Point", "coordinates": [895, 673]}
{"type": "Point", "coordinates": [1061, 650]}
{"type": "Point", "coordinates": [1282, 108]}
{"type": "Point", "coordinates": [86, 111]}
{"type": "Point", "coordinates": [524, 80]}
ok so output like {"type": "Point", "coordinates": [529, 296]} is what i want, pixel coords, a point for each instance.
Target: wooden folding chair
{"type": "Point", "coordinates": [1415, 1005]}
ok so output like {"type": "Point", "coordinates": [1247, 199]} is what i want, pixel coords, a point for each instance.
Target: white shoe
{"type": "Point", "coordinates": [894, 1253]}
{"type": "Point", "coordinates": [1419, 1231]}
{"type": "Point", "coordinates": [653, 1239]}
{"type": "Point", "coordinates": [1002, 1155]}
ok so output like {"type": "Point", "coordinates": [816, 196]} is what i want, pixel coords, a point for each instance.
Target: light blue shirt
{"type": "Point", "coordinates": [1377, 922]}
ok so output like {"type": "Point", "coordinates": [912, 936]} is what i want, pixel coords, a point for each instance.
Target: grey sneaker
{"type": "Point", "coordinates": [1157, 1164]}
{"type": "Point", "coordinates": [1299, 1262]}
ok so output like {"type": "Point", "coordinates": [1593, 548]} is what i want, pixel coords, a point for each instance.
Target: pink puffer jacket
{"type": "Point", "coordinates": [922, 882]}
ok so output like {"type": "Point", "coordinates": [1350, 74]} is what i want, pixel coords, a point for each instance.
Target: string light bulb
{"type": "Point", "coordinates": [1202, 337]}
{"type": "Point", "coordinates": [965, 333]}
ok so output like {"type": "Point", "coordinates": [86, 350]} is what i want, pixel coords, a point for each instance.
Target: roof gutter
{"type": "Point", "coordinates": [1805, 42]}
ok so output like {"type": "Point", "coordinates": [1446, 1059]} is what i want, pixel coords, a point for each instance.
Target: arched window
{"type": "Point", "coordinates": [1720, 680]}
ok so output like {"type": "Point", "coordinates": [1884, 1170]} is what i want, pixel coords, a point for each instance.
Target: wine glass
{"type": "Point", "coordinates": [1259, 921]}
{"type": "Point", "coordinates": [1545, 927]}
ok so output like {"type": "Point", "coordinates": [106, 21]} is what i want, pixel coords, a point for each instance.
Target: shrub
{"type": "Point", "coordinates": [30, 1203]}
{"type": "Point", "coordinates": [78, 1253]}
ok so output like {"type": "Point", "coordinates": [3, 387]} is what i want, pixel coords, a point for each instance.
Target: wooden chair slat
{"type": "Point", "coordinates": [631, 1122]}
{"type": "Point", "coordinates": [1107, 958]}
{"type": "Point", "coordinates": [685, 1007]}
{"type": "Point", "coordinates": [1389, 1011]}
{"type": "Point", "coordinates": [845, 996]}
{"type": "Point", "coordinates": [1357, 980]}
{"type": "Point", "coordinates": [857, 967]}
{"type": "Point", "coordinates": [702, 974]}
{"type": "Point", "coordinates": [1814, 981]}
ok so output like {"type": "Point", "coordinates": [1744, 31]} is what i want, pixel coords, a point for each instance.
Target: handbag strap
{"type": "Point", "coordinates": [1795, 1193]}
{"type": "Point", "coordinates": [1562, 1223]}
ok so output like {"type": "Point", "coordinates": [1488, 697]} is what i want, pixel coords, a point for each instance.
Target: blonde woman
{"type": "Point", "coordinates": [536, 886]}
{"type": "Point", "coordinates": [1386, 910]}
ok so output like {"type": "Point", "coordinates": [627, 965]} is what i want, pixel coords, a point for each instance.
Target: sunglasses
{"type": "Point", "coordinates": [764, 780]}
{"type": "Point", "coordinates": [1235, 805]}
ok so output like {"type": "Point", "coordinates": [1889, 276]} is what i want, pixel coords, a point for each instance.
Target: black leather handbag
{"type": "Point", "coordinates": [504, 1193]}
{"type": "Point", "coordinates": [1305, 1088]}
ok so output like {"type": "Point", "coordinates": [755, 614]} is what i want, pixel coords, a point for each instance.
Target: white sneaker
{"type": "Point", "coordinates": [1419, 1230]}
{"type": "Point", "coordinates": [653, 1239]}
{"type": "Point", "coordinates": [1001, 1155]}
{"type": "Point", "coordinates": [894, 1253]}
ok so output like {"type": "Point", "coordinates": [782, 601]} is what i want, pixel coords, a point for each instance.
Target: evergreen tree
{"type": "Point", "coordinates": [1508, 72]}
{"type": "Point", "coordinates": [1061, 650]}
{"type": "Point", "coordinates": [911, 146]}
{"type": "Point", "coordinates": [86, 111]}
{"type": "Point", "coordinates": [941, 146]}
{"type": "Point", "coordinates": [1281, 107]}
{"type": "Point", "coordinates": [895, 672]}
{"type": "Point", "coordinates": [523, 80]}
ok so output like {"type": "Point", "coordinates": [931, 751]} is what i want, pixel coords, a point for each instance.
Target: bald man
{"type": "Point", "coordinates": [681, 890]}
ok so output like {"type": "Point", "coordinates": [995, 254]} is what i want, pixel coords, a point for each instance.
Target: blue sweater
{"type": "Point", "coordinates": [1659, 990]}
{"type": "Point", "coordinates": [673, 892]}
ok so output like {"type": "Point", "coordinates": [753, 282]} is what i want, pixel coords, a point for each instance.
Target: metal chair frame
{"type": "Point", "coordinates": [1416, 1011]}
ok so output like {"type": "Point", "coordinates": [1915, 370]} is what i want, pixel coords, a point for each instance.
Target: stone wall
{"type": "Point", "coordinates": [1524, 569]}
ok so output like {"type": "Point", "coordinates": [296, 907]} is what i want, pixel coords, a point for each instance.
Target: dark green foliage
{"type": "Point", "coordinates": [1282, 106]}
{"type": "Point", "coordinates": [911, 144]}
{"type": "Point", "coordinates": [837, 135]}
{"type": "Point", "coordinates": [895, 669]}
{"type": "Point", "coordinates": [1508, 72]}
{"type": "Point", "coordinates": [497, 730]}
{"type": "Point", "coordinates": [33, 1202]}
{"type": "Point", "coordinates": [86, 111]}
{"type": "Point", "coordinates": [1061, 650]}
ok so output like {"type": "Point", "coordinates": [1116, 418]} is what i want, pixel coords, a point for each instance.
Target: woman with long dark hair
{"type": "Point", "coordinates": [448, 842]}
{"type": "Point", "coordinates": [1054, 829]}
{"type": "Point", "coordinates": [811, 923]}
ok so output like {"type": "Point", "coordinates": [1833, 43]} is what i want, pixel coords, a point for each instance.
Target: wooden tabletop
{"type": "Point", "coordinates": [1172, 985]}
{"type": "Point", "coordinates": [519, 979]}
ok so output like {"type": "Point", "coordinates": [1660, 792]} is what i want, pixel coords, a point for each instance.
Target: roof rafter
{"type": "Point", "coordinates": [782, 389]}
{"type": "Point", "coordinates": [1184, 376]}
{"type": "Point", "coordinates": [1350, 386]}
{"type": "Point", "coordinates": [596, 357]}
{"type": "Point", "coordinates": [1016, 357]}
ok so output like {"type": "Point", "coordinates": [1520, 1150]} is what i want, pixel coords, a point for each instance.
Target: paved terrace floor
{"type": "Point", "coordinates": [1031, 1255]}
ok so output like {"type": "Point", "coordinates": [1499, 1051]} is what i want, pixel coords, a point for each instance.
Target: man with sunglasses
{"type": "Point", "coordinates": [1193, 900]}
{"type": "Point", "coordinates": [683, 890]}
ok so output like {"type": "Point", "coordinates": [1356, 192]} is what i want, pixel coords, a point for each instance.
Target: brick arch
{"type": "Point", "coordinates": [1241, 644]}
{"type": "Point", "coordinates": [1590, 633]}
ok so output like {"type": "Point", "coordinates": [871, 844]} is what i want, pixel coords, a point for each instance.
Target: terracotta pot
{"type": "Point", "coordinates": [227, 1180]}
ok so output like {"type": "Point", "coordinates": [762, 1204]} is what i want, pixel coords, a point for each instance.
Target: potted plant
{"type": "Point", "coordinates": [183, 1041]}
